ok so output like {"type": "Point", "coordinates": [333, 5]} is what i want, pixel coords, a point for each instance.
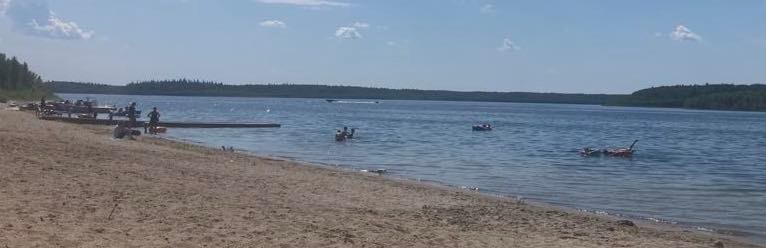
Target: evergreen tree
{"type": "Point", "coordinates": [17, 81]}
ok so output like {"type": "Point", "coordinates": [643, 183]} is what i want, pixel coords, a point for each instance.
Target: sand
{"type": "Point", "coordinates": [63, 185]}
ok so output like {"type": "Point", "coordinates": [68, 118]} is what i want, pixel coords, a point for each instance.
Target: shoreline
{"type": "Point", "coordinates": [656, 222]}
{"type": "Point", "coordinates": [323, 205]}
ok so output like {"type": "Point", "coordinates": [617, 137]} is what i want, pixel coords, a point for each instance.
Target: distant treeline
{"type": "Point", "coordinates": [185, 87]}
{"type": "Point", "coordinates": [18, 82]}
{"type": "Point", "coordinates": [708, 96]}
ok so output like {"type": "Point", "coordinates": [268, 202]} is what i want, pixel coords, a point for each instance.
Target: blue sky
{"type": "Point", "coordinates": [541, 46]}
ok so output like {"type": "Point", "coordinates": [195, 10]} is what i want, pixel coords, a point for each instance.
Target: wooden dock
{"type": "Point", "coordinates": [163, 124]}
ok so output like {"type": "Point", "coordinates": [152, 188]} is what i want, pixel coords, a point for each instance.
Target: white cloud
{"type": "Point", "coordinates": [312, 3]}
{"type": "Point", "coordinates": [683, 33]}
{"type": "Point", "coordinates": [34, 17]}
{"type": "Point", "coordinates": [348, 33]}
{"type": "Point", "coordinates": [361, 25]}
{"type": "Point", "coordinates": [487, 9]}
{"type": "Point", "coordinates": [351, 32]}
{"type": "Point", "coordinates": [272, 24]}
{"type": "Point", "coordinates": [508, 45]}
{"type": "Point", "coordinates": [391, 43]}
{"type": "Point", "coordinates": [55, 27]}
{"type": "Point", "coordinates": [4, 6]}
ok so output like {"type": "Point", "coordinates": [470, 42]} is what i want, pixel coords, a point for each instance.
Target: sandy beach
{"type": "Point", "coordinates": [64, 185]}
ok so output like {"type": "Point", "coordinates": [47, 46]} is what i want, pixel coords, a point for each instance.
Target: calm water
{"type": "Point", "coordinates": [696, 168]}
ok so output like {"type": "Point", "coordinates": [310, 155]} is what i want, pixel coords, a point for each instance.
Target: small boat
{"type": "Point", "coordinates": [86, 116]}
{"type": "Point", "coordinates": [331, 100]}
{"type": "Point", "coordinates": [482, 127]}
{"type": "Point", "coordinates": [124, 112]}
{"type": "Point", "coordinates": [79, 106]}
{"type": "Point", "coordinates": [27, 107]}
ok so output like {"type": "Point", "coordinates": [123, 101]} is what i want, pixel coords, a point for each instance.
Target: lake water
{"type": "Point", "coordinates": [703, 169]}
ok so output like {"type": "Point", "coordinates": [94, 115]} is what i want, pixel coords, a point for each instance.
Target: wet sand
{"type": "Point", "coordinates": [64, 185]}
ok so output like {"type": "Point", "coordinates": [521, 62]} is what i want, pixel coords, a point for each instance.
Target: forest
{"type": "Point", "coordinates": [18, 82]}
{"type": "Point", "coordinates": [708, 96]}
{"type": "Point", "coordinates": [184, 87]}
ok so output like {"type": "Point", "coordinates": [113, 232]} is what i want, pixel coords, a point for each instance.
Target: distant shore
{"type": "Point", "coordinates": [74, 186]}
{"type": "Point", "coordinates": [709, 96]}
{"type": "Point", "coordinates": [213, 89]}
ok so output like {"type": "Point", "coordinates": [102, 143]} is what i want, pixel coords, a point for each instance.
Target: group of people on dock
{"type": "Point", "coordinates": [44, 108]}
{"type": "Point", "coordinates": [82, 108]}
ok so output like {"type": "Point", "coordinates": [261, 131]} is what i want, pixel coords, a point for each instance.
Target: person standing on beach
{"type": "Point", "coordinates": [90, 108]}
{"type": "Point", "coordinates": [132, 115]}
{"type": "Point", "coordinates": [154, 120]}
{"type": "Point", "coordinates": [41, 109]}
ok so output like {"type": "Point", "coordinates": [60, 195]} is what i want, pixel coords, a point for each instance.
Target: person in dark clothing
{"type": "Point", "coordinates": [154, 120]}
{"type": "Point", "coordinates": [345, 132]}
{"type": "Point", "coordinates": [91, 111]}
{"type": "Point", "coordinates": [351, 134]}
{"type": "Point", "coordinates": [41, 108]}
{"type": "Point", "coordinates": [132, 115]}
{"type": "Point", "coordinates": [89, 106]}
